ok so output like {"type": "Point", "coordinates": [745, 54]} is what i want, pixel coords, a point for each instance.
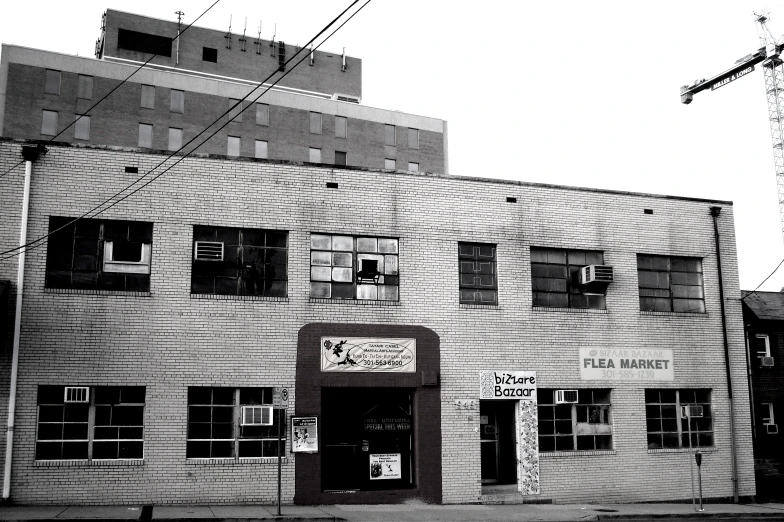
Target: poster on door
{"type": "Point", "coordinates": [367, 354]}
{"type": "Point", "coordinates": [385, 466]}
{"type": "Point", "coordinates": [304, 434]}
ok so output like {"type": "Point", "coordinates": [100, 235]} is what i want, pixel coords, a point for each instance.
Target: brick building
{"type": "Point", "coordinates": [454, 339]}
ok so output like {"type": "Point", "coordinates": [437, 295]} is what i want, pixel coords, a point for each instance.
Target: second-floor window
{"type": "Point", "coordinates": [555, 278]}
{"type": "Point", "coordinates": [670, 283]}
{"type": "Point", "coordinates": [478, 279]}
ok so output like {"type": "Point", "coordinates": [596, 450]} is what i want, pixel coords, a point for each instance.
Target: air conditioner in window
{"type": "Point", "coordinates": [128, 259]}
{"type": "Point", "coordinates": [772, 429]}
{"type": "Point", "coordinates": [691, 411]}
{"type": "Point", "coordinates": [77, 394]}
{"type": "Point", "coordinates": [257, 415]}
{"type": "Point", "coordinates": [596, 274]}
{"type": "Point", "coordinates": [208, 251]}
{"type": "Point", "coordinates": [565, 396]}
{"type": "Point", "coordinates": [766, 361]}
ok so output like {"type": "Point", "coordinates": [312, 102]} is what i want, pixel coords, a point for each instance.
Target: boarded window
{"type": "Point", "coordinates": [390, 135]}
{"type": "Point", "coordinates": [341, 127]}
{"type": "Point", "coordinates": [340, 158]}
{"type": "Point", "coordinates": [314, 155]}
{"type": "Point", "coordinates": [144, 42]}
{"type": "Point", "coordinates": [235, 113]}
{"type": "Point", "coordinates": [85, 87]}
{"type": "Point", "coordinates": [148, 97]}
{"type": "Point", "coordinates": [233, 146]}
{"type": "Point", "coordinates": [261, 149]}
{"type": "Point", "coordinates": [413, 138]}
{"type": "Point", "coordinates": [52, 85]}
{"type": "Point", "coordinates": [49, 123]}
{"type": "Point", "coordinates": [177, 101]}
{"type": "Point", "coordinates": [413, 167]}
{"type": "Point", "coordinates": [82, 127]}
{"type": "Point", "coordinates": [262, 114]}
{"type": "Point", "coordinates": [145, 135]}
{"type": "Point", "coordinates": [175, 139]}
{"type": "Point", "coordinates": [390, 164]}
{"type": "Point", "coordinates": [315, 123]}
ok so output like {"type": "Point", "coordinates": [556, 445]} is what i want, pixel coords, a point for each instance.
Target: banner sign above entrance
{"type": "Point", "coordinates": [367, 354]}
{"type": "Point", "coordinates": [624, 364]}
{"type": "Point", "coordinates": [507, 385]}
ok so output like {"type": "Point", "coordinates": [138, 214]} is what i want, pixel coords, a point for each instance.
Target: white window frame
{"type": "Point", "coordinates": [769, 419]}
{"type": "Point", "coordinates": [126, 267]}
{"type": "Point", "coordinates": [766, 353]}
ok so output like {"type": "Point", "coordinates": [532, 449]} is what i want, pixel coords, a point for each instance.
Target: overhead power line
{"type": "Point", "coordinates": [763, 282]}
{"type": "Point", "coordinates": [117, 86]}
{"type": "Point", "coordinates": [109, 203]}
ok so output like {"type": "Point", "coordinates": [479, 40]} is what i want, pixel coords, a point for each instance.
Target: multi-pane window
{"type": "Point", "coordinates": [341, 126]}
{"type": "Point", "coordinates": [175, 138]}
{"type": "Point", "coordinates": [52, 84]}
{"type": "Point", "coordinates": [99, 423]}
{"type": "Point", "coordinates": [670, 284]}
{"type": "Point", "coordinates": [340, 158]}
{"type": "Point", "coordinates": [314, 155]}
{"type": "Point", "coordinates": [233, 146]}
{"type": "Point", "coordinates": [413, 138]}
{"type": "Point", "coordinates": [262, 114]}
{"type": "Point", "coordinates": [177, 101]}
{"type": "Point", "coordinates": [219, 426]}
{"type": "Point", "coordinates": [389, 164]}
{"type": "Point", "coordinates": [85, 87]}
{"type": "Point", "coordinates": [239, 261]}
{"type": "Point", "coordinates": [49, 123]}
{"type": "Point", "coordinates": [350, 267]}
{"type": "Point", "coordinates": [555, 279]}
{"type": "Point", "coordinates": [315, 123]}
{"type": "Point", "coordinates": [145, 135]}
{"type": "Point", "coordinates": [82, 127]}
{"type": "Point", "coordinates": [390, 136]}
{"type": "Point", "coordinates": [235, 113]}
{"type": "Point", "coordinates": [261, 149]}
{"type": "Point", "coordinates": [148, 97]}
{"type": "Point", "coordinates": [99, 254]}
{"type": "Point", "coordinates": [584, 425]}
{"type": "Point", "coordinates": [671, 414]}
{"type": "Point", "coordinates": [413, 167]}
{"type": "Point", "coordinates": [478, 278]}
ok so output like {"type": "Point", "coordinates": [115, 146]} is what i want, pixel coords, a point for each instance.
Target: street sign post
{"type": "Point", "coordinates": [280, 401]}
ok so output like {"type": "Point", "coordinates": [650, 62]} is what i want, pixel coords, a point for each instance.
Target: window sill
{"type": "Point", "coordinates": [569, 310]}
{"type": "Point", "coordinates": [675, 314]}
{"type": "Point", "coordinates": [235, 462]}
{"type": "Point", "coordinates": [704, 449]}
{"type": "Point", "coordinates": [479, 306]}
{"type": "Point", "coordinates": [579, 453]}
{"type": "Point", "coordinates": [87, 463]}
{"type": "Point", "coordinates": [227, 297]}
{"type": "Point", "coordinates": [87, 291]}
{"type": "Point", "coordinates": [366, 302]}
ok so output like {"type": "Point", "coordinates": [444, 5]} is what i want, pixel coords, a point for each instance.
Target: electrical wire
{"type": "Point", "coordinates": [85, 113]}
{"type": "Point", "coordinates": [762, 283]}
{"type": "Point", "coordinates": [98, 210]}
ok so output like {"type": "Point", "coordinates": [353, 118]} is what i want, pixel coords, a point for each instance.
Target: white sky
{"type": "Point", "coordinates": [564, 92]}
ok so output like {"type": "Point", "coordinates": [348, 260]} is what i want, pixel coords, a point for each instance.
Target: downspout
{"type": "Point", "coordinates": [715, 211]}
{"type": "Point", "coordinates": [30, 153]}
{"type": "Point", "coordinates": [751, 385]}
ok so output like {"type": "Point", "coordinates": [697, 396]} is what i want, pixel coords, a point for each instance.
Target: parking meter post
{"type": "Point", "coordinates": [698, 458]}
{"type": "Point", "coordinates": [691, 462]}
{"type": "Point", "coordinates": [280, 453]}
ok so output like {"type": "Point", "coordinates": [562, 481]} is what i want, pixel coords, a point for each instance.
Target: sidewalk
{"type": "Point", "coordinates": [410, 512]}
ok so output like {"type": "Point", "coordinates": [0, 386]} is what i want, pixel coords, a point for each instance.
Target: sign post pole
{"type": "Point", "coordinates": [685, 411]}
{"type": "Point", "coordinates": [280, 401]}
{"type": "Point", "coordinates": [280, 454]}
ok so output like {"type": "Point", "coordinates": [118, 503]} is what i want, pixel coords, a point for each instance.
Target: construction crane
{"type": "Point", "coordinates": [773, 68]}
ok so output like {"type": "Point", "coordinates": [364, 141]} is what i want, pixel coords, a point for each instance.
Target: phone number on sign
{"type": "Point", "coordinates": [628, 374]}
{"type": "Point", "coordinates": [381, 362]}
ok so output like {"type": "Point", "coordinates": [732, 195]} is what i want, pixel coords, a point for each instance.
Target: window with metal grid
{"type": "Point", "coordinates": [478, 277]}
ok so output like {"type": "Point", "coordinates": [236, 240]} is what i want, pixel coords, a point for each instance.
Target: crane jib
{"type": "Point", "coordinates": [732, 77]}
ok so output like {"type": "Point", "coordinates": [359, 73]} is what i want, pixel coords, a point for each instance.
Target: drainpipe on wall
{"type": "Point", "coordinates": [715, 211]}
{"type": "Point", "coordinates": [30, 153]}
{"type": "Point", "coordinates": [751, 385]}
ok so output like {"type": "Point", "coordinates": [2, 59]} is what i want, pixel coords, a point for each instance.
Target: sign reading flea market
{"type": "Point", "coordinates": [507, 385]}
{"type": "Point", "coordinates": [366, 354]}
{"type": "Point", "coordinates": [732, 77]}
{"type": "Point", "coordinates": [626, 364]}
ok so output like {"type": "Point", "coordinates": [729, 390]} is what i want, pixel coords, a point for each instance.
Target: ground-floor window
{"type": "Point", "coordinates": [669, 422]}
{"type": "Point", "coordinates": [227, 423]}
{"type": "Point", "coordinates": [82, 422]}
{"type": "Point", "coordinates": [568, 423]}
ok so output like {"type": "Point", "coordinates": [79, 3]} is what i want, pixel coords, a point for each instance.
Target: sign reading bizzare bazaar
{"type": "Point", "coordinates": [367, 354]}
{"type": "Point", "coordinates": [507, 385]}
{"type": "Point", "coordinates": [625, 364]}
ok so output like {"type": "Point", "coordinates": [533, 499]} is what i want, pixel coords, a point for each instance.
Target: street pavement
{"type": "Point", "coordinates": [408, 512]}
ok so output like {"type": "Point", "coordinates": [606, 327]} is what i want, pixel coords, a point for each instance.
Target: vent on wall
{"type": "Point", "coordinates": [257, 415]}
{"type": "Point", "coordinates": [77, 394]}
{"type": "Point", "coordinates": [208, 251]}
{"type": "Point", "coordinates": [766, 361]}
{"type": "Point", "coordinates": [345, 98]}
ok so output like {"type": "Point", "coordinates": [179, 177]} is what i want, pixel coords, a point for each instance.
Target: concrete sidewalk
{"type": "Point", "coordinates": [410, 512]}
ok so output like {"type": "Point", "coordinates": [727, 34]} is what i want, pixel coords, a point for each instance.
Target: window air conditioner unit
{"type": "Point", "coordinates": [257, 415]}
{"type": "Point", "coordinates": [345, 98]}
{"type": "Point", "coordinates": [691, 411]}
{"type": "Point", "coordinates": [208, 251]}
{"type": "Point", "coordinates": [565, 396]}
{"type": "Point", "coordinates": [77, 394]}
{"type": "Point", "coordinates": [129, 261]}
{"type": "Point", "coordinates": [596, 274]}
{"type": "Point", "coordinates": [766, 361]}
{"type": "Point", "coordinates": [772, 429]}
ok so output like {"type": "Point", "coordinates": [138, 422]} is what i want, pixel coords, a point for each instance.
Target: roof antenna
{"type": "Point", "coordinates": [257, 43]}
{"type": "Point", "coordinates": [179, 14]}
{"type": "Point", "coordinates": [228, 35]}
{"type": "Point", "coordinates": [243, 35]}
{"type": "Point", "coordinates": [343, 65]}
{"type": "Point", "coordinates": [312, 55]}
{"type": "Point", "coordinates": [272, 42]}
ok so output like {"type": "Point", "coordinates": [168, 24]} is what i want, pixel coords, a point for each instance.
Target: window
{"type": "Point", "coordinates": [761, 345]}
{"type": "Point", "coordinates": [262, 114]}
{"type": "Point", "coordinates": [262, 150]}
{"type": "Point", "coordinates": [413, 138]}
{"type": "Point", "coordinates": [233, 146]}
{"type": "Point", "coordinates": [340, 158]}
{"type": "Point", "coordinates": [314, 155]}
{"type": "Point", "coordinates": [235, 114]}
{"type": "Point", "coordinates": [555, 278]}
{"type": "Point", "coordinates": [670, 284]}
{"type": "Point", "coordinates": [82, 127]}
{"type": "Point", "coordinates": [148, 97]}
{"type": "Point", "coordinates": [389, 164]}
{"type": "Point", "coordinates": [143, 42]}
{"type": "Point", "coordinates": [768, 420]}
{"type": "Point", "coordinates": [85, 87]}
{"type": "Point", "coordinates": [145, 135]}
{"type": "Point", "coordinates": [209, 54]}
{"type": "Point", "coordinates": [52, 85]}
{"type": "Point", "coordinates": [478, 279]}
{"type": "Point", "coordinates": [177, 103]}
{"type": "Point", "coordinates": [413, 167]}
{"type": "Point", "coordinates": [175, 138]}
{"type": "Point", "coordinates": [107, 425]}
{"type": "Point", "coordinates": [99, 254]}
{"type": "Point", "coordinates": [390, 137]}
{"type": "Point", "coordinates": [49, 123]}
{"type": "Point", "coordinates": [348, 267]}
{"type": "Point", "coordinates": [586, 425]}
{"type": "Point", "coordinates": [668, 427]}
{"type": "Point", "coordinates": [215, 429]}
{"type": "Point", "coordinates": [315, 123]}
{"type": "Point", "coordinates": [237, 261]}
{"type": "Point", "coordinates": [341, 126]}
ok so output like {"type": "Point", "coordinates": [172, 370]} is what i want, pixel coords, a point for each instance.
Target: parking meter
{"type": "Point", "coordinates": [698, 458]}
